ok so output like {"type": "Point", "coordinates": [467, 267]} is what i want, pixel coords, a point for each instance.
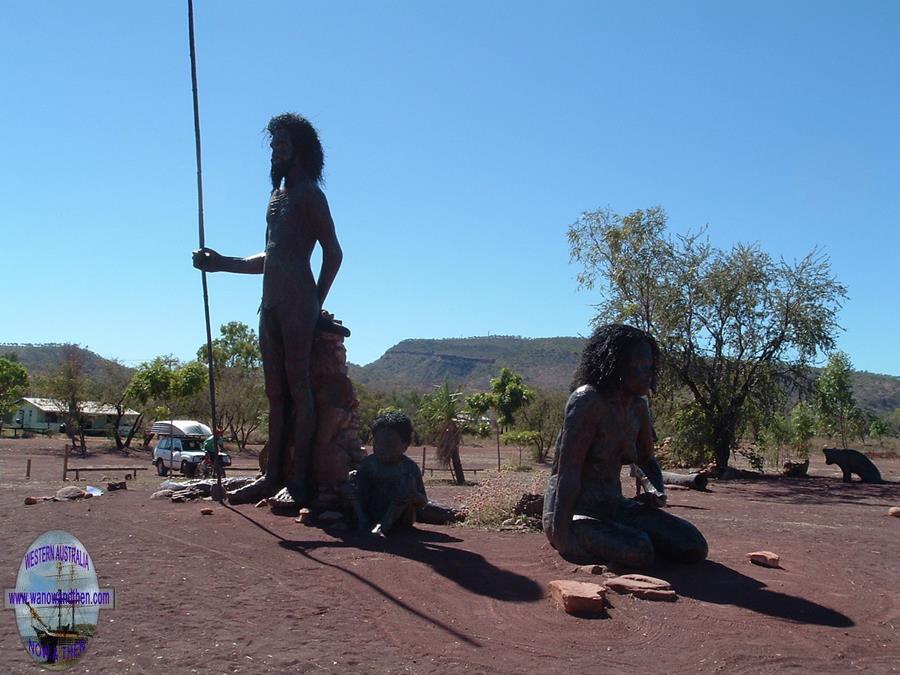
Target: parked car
{"type": "Point", "coordinates": [180, 451]}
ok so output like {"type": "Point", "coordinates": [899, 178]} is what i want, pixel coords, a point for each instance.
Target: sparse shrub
{"type": "Point", "coordinates": [803, 428]}
{"type": "Point", "coordinates": [772, 438]}
{"type": "Point", "coordinates": [754, 458]}
{"type": "Point", "coordinates": [495, 499]}
{"type": "Point", "coordinates": [690, 438]}
{"type": "Point", "coordinates": [509, 466]}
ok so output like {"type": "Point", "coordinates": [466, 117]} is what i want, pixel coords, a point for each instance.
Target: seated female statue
{"type": "Point", "coordinates": [608, 425]}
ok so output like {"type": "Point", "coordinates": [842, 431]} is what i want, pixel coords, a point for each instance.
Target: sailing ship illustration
{"type": "Point", "coordinates": [64, 641]}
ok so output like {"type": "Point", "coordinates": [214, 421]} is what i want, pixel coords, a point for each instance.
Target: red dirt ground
{"type": "Point", "coordinates": [246, 591]}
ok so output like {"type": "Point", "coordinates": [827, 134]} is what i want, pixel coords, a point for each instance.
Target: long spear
{"type": "Point", "coordinates": [209, 352]}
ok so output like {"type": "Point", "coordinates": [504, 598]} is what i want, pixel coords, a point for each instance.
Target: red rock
{"type": "Point", "coordinates": [642, 586]}
{"type": "Point", "coordinates": [576, 597]}
{"type": "Point", "coordinates": [894, 511]}
{"type": "Point", "coordinates": [764, 558]}
{"type": "Point", "coordinates": [206, 511]}
{"type": "Point", "coordinates": [30, 501]}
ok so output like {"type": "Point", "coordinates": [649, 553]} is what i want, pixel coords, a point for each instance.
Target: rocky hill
{"type": "Point", "coordinates": [470, 363]}
{"type": "Point", "coordinates": [41, 359]}
{"type": "Point", "coordinates": [467, 363]}
{"type": "Point", "coordinates": [544, 363]}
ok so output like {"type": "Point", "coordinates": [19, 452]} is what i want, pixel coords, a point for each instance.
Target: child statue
{"type": "Point", "coordinates": [389, 486]}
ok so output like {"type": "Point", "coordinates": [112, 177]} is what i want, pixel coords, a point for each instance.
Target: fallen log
{"type": "Point", "coordinates": [694, 481]}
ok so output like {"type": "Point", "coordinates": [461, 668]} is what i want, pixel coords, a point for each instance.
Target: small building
{"type": "Point", "coordinates": [46, 414]}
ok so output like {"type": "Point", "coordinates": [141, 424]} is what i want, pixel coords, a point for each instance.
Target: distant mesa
{"type": "Point", "coordinates": [467, 363]}
{"type": "Point", "coordinates": [470, 363]}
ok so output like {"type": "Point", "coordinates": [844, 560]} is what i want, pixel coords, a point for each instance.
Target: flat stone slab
{"type": "Point", "coordinates": [578, 597]}
{"type": "Point", "coordinates": [764, 558]}
{"type": "Point", "coordinates": [642, 586]}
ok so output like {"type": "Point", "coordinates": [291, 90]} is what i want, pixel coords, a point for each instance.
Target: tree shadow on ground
{"type": "Point", "coordinates": [824, 490]}
{"type": "Point", "coordinates": [713, 582]}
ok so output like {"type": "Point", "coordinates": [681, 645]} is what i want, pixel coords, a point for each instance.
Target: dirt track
{"type": "Point", "coordinates": [243, 590]}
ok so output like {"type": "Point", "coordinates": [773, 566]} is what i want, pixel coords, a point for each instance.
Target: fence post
{"type": "Point", "coordinates": [423, 461]}
{"type": "Point", "coordinates": [66, 464]}
{"type": "Point", "coordinates": [28, 469]}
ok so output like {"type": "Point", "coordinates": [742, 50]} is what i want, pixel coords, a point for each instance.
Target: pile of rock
{"type": "Point", "coordinates": [337, 448]}
{"type": "Point", "coordinates": [189, 490]}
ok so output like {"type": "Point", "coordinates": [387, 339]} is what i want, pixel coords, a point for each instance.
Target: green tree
{"type": "Point", "coordinates": [69, 385]}
{"type": "Point", "coordinates": [544, 416]}
{"type": "Point", "coordinates": [878, 428]}
{"type": "Point", "coordinates": [507, 396]}
{"type": "Point", "coordinates": [803, 428]}
{"type": "Point", "coordinates": [444, 422]}
{"type": "Point", "coordinates": [726, 321]}
{"type": "Point", "coordinates": [523, 439]}
{"type": "Point", "coordinates": [13, 385]}
{"type": "Point", "coordinates": [163, 384]}
{"type": "Point", "coordinates": [834, 396]}
{"type": "Point", "coordinates": [241, 404]}
{"type": "Point", "coordinates": [112, 389]}
{"type": "Point", "coordinates": [773, 437]}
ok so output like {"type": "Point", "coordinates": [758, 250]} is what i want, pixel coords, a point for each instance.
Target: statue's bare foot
{"type": "Point", "coordinates": [261, 488]}
{"type": "Point", "coordinates": [298, 491]}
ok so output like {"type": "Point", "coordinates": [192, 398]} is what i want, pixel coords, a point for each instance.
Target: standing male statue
{"type": "Point", "coordinates": [297, 217]}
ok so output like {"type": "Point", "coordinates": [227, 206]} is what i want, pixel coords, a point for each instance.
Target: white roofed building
{"type": "Point", "coordinates": [43, 414]}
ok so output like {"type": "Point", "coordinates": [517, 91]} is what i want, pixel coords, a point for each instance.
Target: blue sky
{"type": "Point", "coordinates": [461, 139]}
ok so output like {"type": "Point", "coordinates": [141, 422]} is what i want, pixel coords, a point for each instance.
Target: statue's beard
{"type": "Point", "coordinates": [279, 171]}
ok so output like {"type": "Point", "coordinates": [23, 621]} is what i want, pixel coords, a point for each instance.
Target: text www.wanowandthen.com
{"type": "Point", "coordinates": [74, 596]}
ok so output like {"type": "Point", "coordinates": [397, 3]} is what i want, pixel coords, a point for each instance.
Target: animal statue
{"type": "Point", "coordinates": [853, 461]}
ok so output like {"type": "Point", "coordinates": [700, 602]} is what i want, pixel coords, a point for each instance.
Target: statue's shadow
{"type": "Point", "coordinates": [715, 583]}
{"type": "Point", "coordinates": [464, 568]}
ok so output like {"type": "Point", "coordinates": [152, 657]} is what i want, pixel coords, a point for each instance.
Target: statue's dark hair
{"type": "Point", "coordinates": [605, 353]}
{"type": "Point", "coordinates": [305, 139]}
{"type": "Point", "coordinates": [396, 421]}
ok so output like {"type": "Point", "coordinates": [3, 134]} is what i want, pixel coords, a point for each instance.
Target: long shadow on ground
{"type": "Point", "coordinates": [713, 582]}
{"type": "Point", "coordinates": [823, 490]}
{"type": "Point", "coordinates": [467, 569]}
{"type": "Point", "coordinates": [464, 568]}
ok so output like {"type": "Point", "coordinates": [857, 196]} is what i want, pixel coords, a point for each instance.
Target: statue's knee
{"type": "Point", "coordinates": [698, 551]}
{"type": "Point", "coordinates": [692, 548]}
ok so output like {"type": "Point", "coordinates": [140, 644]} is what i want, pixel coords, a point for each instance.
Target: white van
{"type": "Point", "coordinates": [180, 447]}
